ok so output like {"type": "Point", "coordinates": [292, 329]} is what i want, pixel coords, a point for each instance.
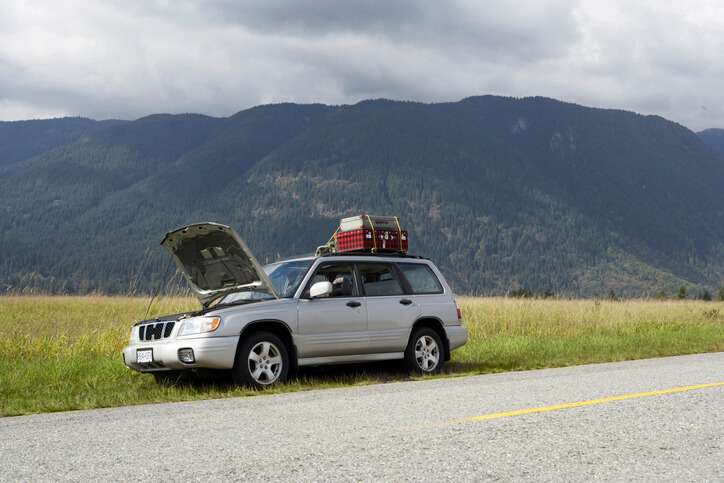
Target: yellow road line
{"type": "Point", "coordinates": [581, 403]}
{"type": "Point", "coordinates": [553, 408]}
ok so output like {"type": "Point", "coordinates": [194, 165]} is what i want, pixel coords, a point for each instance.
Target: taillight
{"type": "Point", "coordinates": [460, 315]}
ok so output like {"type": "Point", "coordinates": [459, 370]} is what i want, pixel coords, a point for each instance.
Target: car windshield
{"type": "Point", "coordinates": [285, 276]}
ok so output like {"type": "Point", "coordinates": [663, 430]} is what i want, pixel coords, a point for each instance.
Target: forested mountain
{"type": "Point", "coordinates": [502, 193]}
{"type": "Point", "coordinates": [23, 140]}
{"type": "Point", "coordinates": [714, 138]}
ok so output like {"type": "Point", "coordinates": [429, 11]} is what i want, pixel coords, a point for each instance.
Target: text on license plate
{"type": "Point", "coordinates": [143, 356]}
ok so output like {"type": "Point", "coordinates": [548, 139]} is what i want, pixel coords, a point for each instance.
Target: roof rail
{"type": "Point", "coordinates": [366, 253]}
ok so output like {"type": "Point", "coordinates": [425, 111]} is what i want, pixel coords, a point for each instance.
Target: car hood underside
{"type": "Point", "coordinates": [215, 261]}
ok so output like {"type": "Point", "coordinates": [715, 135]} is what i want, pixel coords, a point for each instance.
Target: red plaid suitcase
{"type": "Point", "coordinates": [367, 240]}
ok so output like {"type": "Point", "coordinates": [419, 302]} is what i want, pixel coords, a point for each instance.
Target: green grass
{"type": "Point", "coordinates": [63, 353]}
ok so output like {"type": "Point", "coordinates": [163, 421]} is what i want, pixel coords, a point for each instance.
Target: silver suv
{"type": "Point", "coordinates": [261, 323]}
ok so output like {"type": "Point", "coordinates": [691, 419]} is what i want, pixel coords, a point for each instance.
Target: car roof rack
{"type": "Point", "coordinates": [350, 253]}
{"type": "Point", "coordinates": [366, 253]}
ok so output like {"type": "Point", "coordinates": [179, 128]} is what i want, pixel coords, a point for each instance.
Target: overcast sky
{"type": "Point", "coordinates": [125, 59]}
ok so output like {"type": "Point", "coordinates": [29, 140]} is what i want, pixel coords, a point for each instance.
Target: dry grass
{"type": "Point", "coordinates": [42, 326]}
{"type": "Point", "coordinates": [496, 317]}
{"type": "Point", "coordinates": [61, 353]}
{"type": "Point", "coordinates": [513, 334]}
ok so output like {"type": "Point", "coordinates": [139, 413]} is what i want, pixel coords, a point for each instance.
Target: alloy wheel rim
{"type": "Point", "coordinates": [265, 363]}
{"type": "Point", "coordinates": [427, 353]}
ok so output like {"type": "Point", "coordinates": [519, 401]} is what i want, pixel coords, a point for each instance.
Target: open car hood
{"type": "Point", "coordinates": [215, 261]}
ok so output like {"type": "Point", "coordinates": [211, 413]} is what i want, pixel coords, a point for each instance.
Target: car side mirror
{"type": "Point", "coordinates": [320, 289]}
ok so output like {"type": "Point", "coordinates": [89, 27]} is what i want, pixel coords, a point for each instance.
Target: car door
{"type": "Point", "coordinates": [427, 290]}
{"type": "Point", "coordinates": [390, 311]}
{"type": "Point", "coordinates": [337, 324]}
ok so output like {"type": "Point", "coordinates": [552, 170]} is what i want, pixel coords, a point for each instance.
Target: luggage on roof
{"type": "Point", "coordinates": [368, 222]}
{"type": "Point", "coordinates": [367, 233]}
{"type": "Point", "coordinates": [371, 240]}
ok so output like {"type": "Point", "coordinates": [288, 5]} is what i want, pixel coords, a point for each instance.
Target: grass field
{"type": "Point", "coordinates": [63, 353]}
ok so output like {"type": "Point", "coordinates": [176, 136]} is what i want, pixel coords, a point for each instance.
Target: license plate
{"type": "Point", "coordinates": [144, 356]}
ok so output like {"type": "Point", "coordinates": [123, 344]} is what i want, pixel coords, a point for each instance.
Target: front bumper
{"type": "Point", "coordinates": [209, 352]}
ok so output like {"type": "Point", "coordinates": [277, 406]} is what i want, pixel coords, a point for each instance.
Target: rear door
{"type": "Point", "coordinates": [429, 292]}
{"type": "Point", "coordinates": [390, 311]}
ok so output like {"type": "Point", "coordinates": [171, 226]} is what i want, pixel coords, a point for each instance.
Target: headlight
{"type": "Point", "coordinates": [134, 335]}
{"type": "Point", "coordinates": [198, 325]}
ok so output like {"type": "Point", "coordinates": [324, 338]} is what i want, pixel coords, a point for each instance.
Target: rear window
{"type": "Point", "coordinates": [421, 277]}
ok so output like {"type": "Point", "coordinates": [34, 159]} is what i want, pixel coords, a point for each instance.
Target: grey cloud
{"type": "Point", "coordinates": [523, 29]}
{"type": "Point", "coordinates": [133, 58]}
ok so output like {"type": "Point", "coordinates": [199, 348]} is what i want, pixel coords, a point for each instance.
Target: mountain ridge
{"type": "Point", "coordinates": [501, 193]}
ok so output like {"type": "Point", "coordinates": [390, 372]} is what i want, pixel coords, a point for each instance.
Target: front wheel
{"type": "Point", "coordinates": [424, 353]}
{"type": "Point", "coordinates": [261, 360]}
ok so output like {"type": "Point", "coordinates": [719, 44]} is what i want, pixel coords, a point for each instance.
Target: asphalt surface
{"type": "Point", "coordinates": [405, 431]}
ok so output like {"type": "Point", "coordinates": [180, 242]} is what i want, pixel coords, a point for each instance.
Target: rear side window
{"type": "Point", "coordinates": [421, 277]}
{"type": "Point", "coordinates": [378, 279]}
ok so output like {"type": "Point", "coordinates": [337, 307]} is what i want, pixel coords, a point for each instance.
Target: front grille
{"type": "Point", "coordinates": [155, 331]}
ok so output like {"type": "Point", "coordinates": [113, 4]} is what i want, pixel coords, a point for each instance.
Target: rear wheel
{"type": "Point", "coordinates": [261, 360]}
{"type": "Point", "coordinates": [424, 353]}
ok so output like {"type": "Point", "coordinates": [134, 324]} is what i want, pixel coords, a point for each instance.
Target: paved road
{"type": "Point", "coordinates": [405, 431]}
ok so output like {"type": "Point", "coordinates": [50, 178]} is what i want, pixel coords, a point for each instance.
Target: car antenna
{"type": "Point", "coordinates": [158, 288]}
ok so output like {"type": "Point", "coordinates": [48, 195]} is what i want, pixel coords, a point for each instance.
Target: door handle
{"type": "Point", "coordinates": [405, 301]}
{"type": "Point", "coordinates": [353, 303]}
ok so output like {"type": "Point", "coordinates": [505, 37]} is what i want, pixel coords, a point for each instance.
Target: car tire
{"type": "Point", "coordinates": [262, 359]}
{"type": "Point", "coordinates": [424, 353]}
